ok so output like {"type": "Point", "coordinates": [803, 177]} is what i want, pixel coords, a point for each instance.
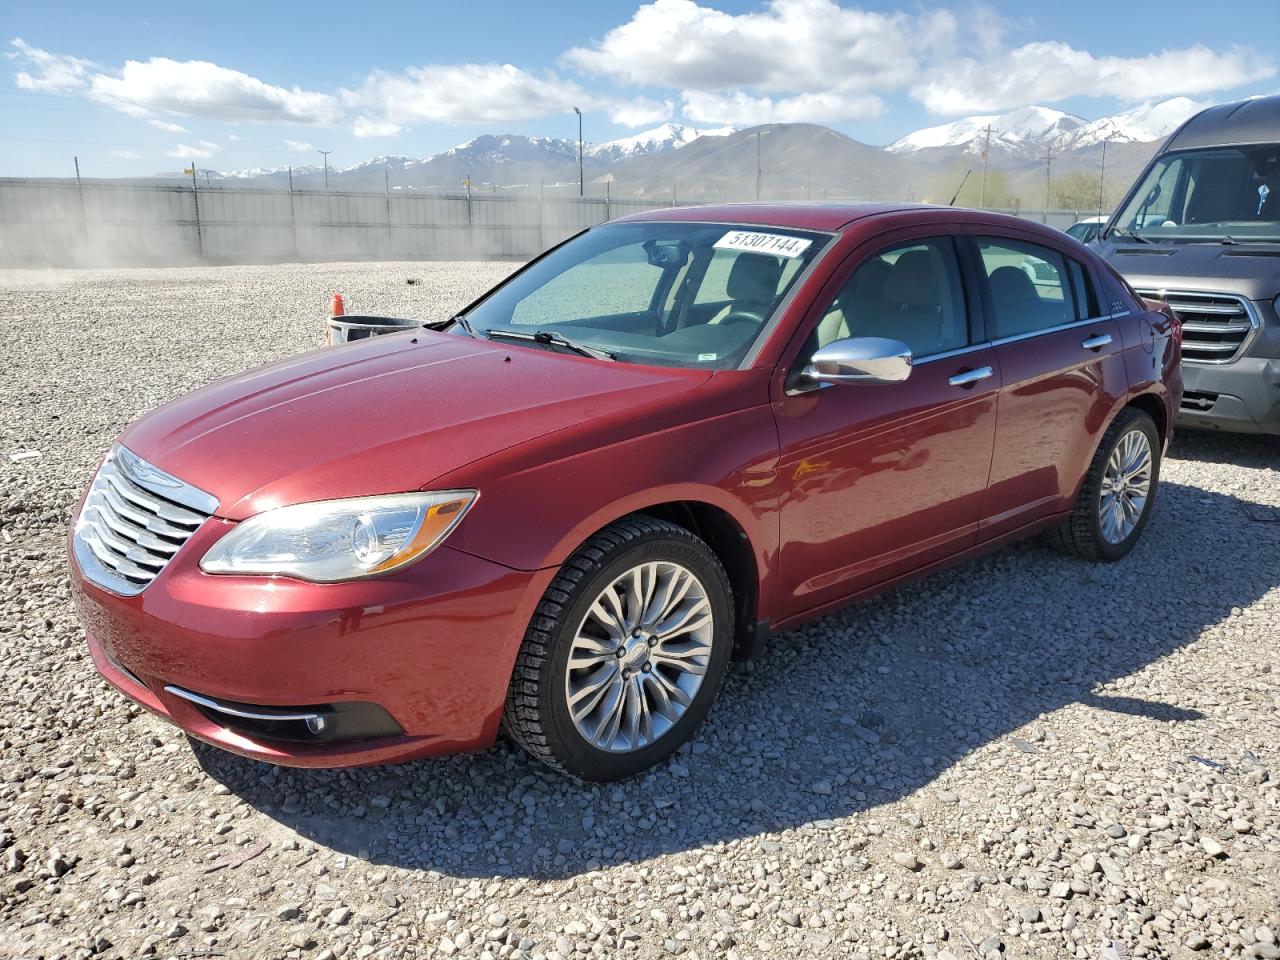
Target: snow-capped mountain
{"type": "Point", "coordinates": [1029, 130]}
{"type": "Point", "coordinates": [669, 136]}
{"type": "Point", "coordinates": [391, 162]}
{"type": "Point", "coordinates": [1143, 124]}
{"type": "Point", "coordinates": [1014, 131]}
{"type": "Point", "coordinates": [253, 173]}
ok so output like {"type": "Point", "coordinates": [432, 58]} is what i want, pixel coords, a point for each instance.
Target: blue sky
{"type": "Point", "coordinates": [134, 88]}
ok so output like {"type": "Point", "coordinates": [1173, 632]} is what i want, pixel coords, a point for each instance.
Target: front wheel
{"type": "Point", "coordinates": [625, 653]}
{"type": "Point", "coordinates": [1115, 501]}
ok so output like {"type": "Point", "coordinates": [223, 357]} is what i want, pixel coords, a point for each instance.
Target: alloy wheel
{"type": "Point", "coordinates": [1126, 485]}
{"type": "Point", "coordinates": [639, 656]}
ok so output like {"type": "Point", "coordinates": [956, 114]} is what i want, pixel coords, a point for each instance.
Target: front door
{"type": "Point", "coordinates": [883, 478]}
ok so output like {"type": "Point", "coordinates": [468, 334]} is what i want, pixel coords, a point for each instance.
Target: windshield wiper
{"type": "Point", "coordinates": [458, 320]}
{"type": "Point", "coordinates": [1129, 235]}
{"type": "Point", "coordinates": [553, 339]}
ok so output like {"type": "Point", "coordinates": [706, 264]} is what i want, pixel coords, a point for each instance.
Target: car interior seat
{"type": "Point", "coordinates": [752, 286]}
{"type": "Point", "coordinates": [861, 296]}
{"type": "Point", "coordinates": [911, 308]}
{"type": "Point", "coordinates": [1015, 301]}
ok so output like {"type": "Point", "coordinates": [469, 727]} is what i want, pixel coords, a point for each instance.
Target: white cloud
{"type": "Point", "coordinates": [641, 112]}
{"type": "Point", "coordinates": [463, 93]}
{"type": "Point", "coordinates": [182, 87]}
{"type": "Point", "coordinates": [200, 88]}
{"type": "Point", "coordinates": [299, 146]}
{"type": "Point", "coordinates": [49, 72]}
{"type": "Point", "coordinates": [1047, 71]}
{"type": "Point", "coordinates": [743, 110]}
{"type": "Point", "coordinates": [364, 127]}
{"type": "Point", "coordinates": [200, 150]}
{"type": "Point", "coordinates": [167, 126]}
{"type": "Point", "coordinates": [126, 155]}
{"type": "Point", "coordinates": [792, 46]}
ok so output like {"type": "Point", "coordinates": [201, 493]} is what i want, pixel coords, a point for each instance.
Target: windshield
{"type": "Point", "coordinates": [1215, 194]}
{"type": "Point", "coordinates": [1084, 231]}
{"type": "Point", "coordinates": [674, 294]}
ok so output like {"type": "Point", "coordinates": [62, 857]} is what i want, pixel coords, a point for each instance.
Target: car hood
{"type": "Point", "coordinates": [386, 415]}
{"type": "Point", "coordinates": [1250, 270]}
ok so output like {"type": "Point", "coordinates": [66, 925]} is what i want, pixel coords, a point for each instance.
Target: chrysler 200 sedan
{"type": "Point", "coordinates": [562, 512]}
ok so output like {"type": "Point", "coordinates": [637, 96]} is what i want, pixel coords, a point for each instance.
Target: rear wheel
{"type": "Point", "coordinates": [1115, 502]}
{"type": "Point", "coordinates": [625, 653]}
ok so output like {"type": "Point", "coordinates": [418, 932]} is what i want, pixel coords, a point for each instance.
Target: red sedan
{"type": "Point", "coordinates": [565, 510]}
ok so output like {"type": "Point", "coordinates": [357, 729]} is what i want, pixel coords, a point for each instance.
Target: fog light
{"type": "Point", "coordinates": [316, 725]}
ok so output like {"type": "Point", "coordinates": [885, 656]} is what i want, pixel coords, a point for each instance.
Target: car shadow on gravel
{"type": "Point", "coordinates": [839, 717]}
{"type": "Point", "coordinates": [1235, 449]}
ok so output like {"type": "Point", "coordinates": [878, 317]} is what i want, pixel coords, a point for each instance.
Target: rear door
{"type": "Point", "coordinates": [1062, 372]}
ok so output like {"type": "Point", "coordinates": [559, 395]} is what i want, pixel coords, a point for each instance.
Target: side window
{"type": "Point", "coordinates": [1030, 290]}
{"type": "Point", "coordinates": [1082, 287]}
{"type": "Point", "coordinates": [910, 293]}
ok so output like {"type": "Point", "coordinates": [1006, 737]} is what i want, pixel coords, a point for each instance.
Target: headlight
{"type": "Point", "coordinates": [333, 540]}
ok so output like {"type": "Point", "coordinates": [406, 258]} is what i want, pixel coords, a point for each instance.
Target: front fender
{"type": "Point", "coordinates": [535, 510]}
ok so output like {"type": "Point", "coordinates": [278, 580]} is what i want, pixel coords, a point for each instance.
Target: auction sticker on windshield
{"type": "Point", "coordinates": [763, 243]}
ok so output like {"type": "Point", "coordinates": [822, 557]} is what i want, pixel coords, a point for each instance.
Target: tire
{"type": "Point", "coordinates": [1084, 534]}
{"type": "Point", "coordinates": [538, 716]}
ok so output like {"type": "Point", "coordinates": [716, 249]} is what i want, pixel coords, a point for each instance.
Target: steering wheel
{"type": "Point", "coordinates": [742, 316]}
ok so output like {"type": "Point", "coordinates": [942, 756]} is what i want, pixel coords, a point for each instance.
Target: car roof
{"type": "Point", "coordinates": [1229, 124]}
{"type": "Point", "coordinates": [830, 217]}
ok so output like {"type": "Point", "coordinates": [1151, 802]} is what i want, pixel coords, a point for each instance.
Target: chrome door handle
{"type": "Point", "coordinates": [968, 378]}
{"type": "Point", "coordinates": [1096, 342]}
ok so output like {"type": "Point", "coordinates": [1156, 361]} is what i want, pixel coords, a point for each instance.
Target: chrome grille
{"type": "Point", "coordinates": [1216, 327]}
{"type": "Point", "coordinates": [135, 518]}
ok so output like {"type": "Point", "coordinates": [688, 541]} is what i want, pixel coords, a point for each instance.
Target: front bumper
{"type": "Point", "coordinates": [420, 658]}
{"type": "Point", "coordinates": [1241, 397]}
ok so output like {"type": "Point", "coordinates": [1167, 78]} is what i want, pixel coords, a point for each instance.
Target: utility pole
{"type": "Point", "coordinates": [325, 154]}
{"type": "Point", "coordinates": [1102, 176]}
{"type": "Point", "coordinates": [1048, 182]}
{"type": "Point", "coordinates": [986, 151]}
{"type": "Point", "coordinates": [580, 180]}
{"type": "Point", "coordinates": [758, 166]}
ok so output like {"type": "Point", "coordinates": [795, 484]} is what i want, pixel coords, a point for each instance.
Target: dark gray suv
{"type": "Point", "coordinates": [1200, 229]}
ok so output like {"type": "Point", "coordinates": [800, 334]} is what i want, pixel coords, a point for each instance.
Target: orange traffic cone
{"type": "Point", "coordinates": [337, 309]}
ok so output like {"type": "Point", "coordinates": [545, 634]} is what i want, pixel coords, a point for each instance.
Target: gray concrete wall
{"type": "Point", "coordinates": [62, 223]}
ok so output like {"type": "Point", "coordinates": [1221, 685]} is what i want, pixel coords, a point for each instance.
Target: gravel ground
{"type": "Point", "coordinates": [1027, 756]}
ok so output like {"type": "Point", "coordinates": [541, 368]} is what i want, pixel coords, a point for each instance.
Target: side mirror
{"type": "Point", "coordinates": [860, 360]}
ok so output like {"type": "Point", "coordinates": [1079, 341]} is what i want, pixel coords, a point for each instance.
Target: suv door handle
{"type": "Point", "coordinates": [967, 378]}
{"type": "Point", "coordinates": [1096, 342]}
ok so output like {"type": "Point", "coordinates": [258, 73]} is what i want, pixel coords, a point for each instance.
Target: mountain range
{"type": "Point", "coordinates": [1035, 130]}
{"type": "Point", "coordinates": [796, 160]}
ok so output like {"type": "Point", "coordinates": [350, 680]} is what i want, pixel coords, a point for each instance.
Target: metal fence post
{"type": "Point", "coordinates": [195, 198]}
{"type": "Point", "coordinates": [293, 216]}
{"type": "Point", "coordinates": [84, 224]}
{"type": "Point", "coordinates": [386, 182]}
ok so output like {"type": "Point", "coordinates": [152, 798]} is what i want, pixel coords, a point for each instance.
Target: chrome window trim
{"type": "Point", "coordinates": [1250, 312]}
{"type": "Point", "coordinates": [1058, 328]}
{"type": "Point", "coordinates": [948, 354]}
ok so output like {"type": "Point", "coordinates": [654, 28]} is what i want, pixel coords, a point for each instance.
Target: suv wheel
{"type": "Point", "coordinates": [625, 653]}
{"type": "Point", "coordinates": [1118, 493]}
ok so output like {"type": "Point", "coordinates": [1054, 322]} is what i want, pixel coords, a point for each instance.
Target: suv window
{"type": "Point", "coordinates": [1029, 287]}
{"type": "Point", "coordinates": [911, 292]}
